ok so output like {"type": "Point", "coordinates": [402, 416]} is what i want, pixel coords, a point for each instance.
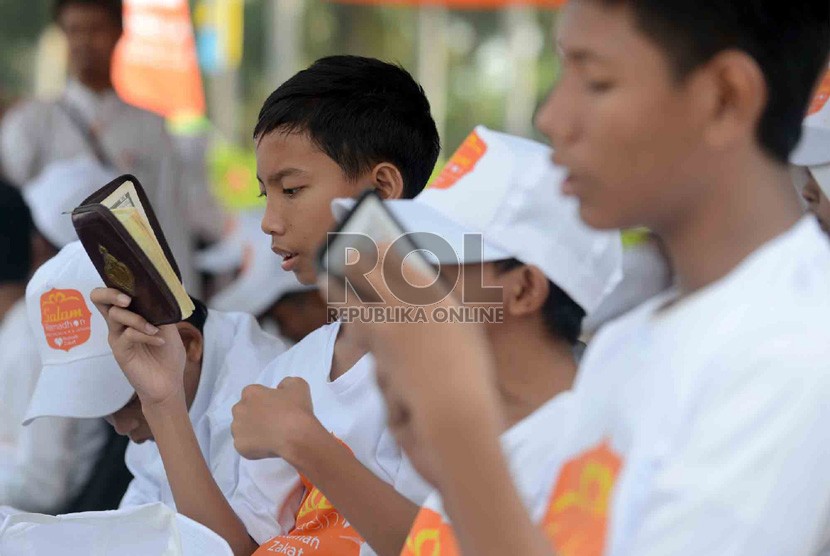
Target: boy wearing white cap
{"type": "Point", "coordinates": [81, 379]}
{"type": "Point", "coordinates": [551, 269]}
{"type": "Point", "coordinates": [812, 156]}
{"type": "Point", "coordinates": [699, 420]}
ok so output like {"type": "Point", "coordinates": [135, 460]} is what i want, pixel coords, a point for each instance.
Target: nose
{"type": "Point", "coordinates": [272, 221]}
{"type": "Point", "coordinates": [555, 118]}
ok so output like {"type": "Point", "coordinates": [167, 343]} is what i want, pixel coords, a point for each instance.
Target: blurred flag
{"type": "Point", "coordinates": [219, 34]}
{"type": "Point", "coordinates": [155, 65]}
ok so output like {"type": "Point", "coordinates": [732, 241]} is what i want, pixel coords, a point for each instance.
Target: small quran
{"type": "Point", "coordinates": [122, 237]}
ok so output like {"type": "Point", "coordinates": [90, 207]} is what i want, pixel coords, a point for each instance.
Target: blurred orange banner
{"type": "Point", "coordinates": [463, 4]}
{"type": "Point", "coordinates": [155, 65]}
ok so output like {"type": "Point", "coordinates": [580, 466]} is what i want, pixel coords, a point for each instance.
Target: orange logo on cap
{"type": "Point", "coordinates": [577, 518]}
{"type": "Point", "coordinates": [822, 95]}
{"type": "Point", "coordinates": [462, 162]}
{"type": "Point", "coordinates": [66, 319]}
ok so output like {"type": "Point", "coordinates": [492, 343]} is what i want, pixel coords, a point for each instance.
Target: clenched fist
{"type": "Point", "coordinates": [275, 422]}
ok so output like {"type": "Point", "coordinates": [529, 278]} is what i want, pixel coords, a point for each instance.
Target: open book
{"type": "Point", "coordinates": [122, 237]}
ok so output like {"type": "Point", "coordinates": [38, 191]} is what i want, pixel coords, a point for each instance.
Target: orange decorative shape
{"type": "Point", "coordinates": [462, 162]}
{"type": "Point", "coordinates": [430, 536]}
{"type": "Point", "coordinates": [66, 319]}
{"type": "Point", "coordinates": [577, 518]}
{"type": "Point", "coordinates": [821, 97]}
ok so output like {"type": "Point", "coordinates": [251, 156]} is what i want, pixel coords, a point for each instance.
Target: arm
{"type": "Point", "coordinates": [153, 361]}
{"type": "Point", "coordinates": [380, 514]}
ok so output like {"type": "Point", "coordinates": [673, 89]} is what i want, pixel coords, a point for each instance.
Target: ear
{"type": "Point", "coordinates": [525, 291]}
{"type": "Point", "coordinates": [388, 181]}
{"type": "Point", "coordinates": [192, 340]}
{"type": "Point", "coordinates": [740, 96]}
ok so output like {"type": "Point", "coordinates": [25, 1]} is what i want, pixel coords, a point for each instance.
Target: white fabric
{"type": "Point", "coordinates": [507, 189]}
{"type": "Point", "coordinates": [58, 189]}
{"type": "Point", "coordinates": [236, 351]}
{"type": "Point", "coordinates": [45, 465]}
{"type": "Point", "coordinates": [814, 148]}
{"type": "Point", "coordinates": [527, 446]}
{"type": "Point", "coordinates": [269, 491]}
{"type": "Point", "coordinates": [717, 408]}
{"type": "Point", "coordinates": [152, 530]}
{"type": "Point", "coordinates": [37, 133]}
{"type": "Point", "coordinates": [261, 281]}
{"type": "Point", "coordinates": [80, 377]}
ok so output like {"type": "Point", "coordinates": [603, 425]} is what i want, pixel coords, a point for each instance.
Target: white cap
{"type": "Point", "coordinates": [80, 376]}
{"type": "Point", "coordinates": [814, 148]}
{"type": "Point", "coordinates": [507, 189]}
{"type": "Point", "coordinates": [148, 530]}
{"type": "Point", "coordinates": [57, 190]}
{"type": "Point", "coordinates": [261, 281]}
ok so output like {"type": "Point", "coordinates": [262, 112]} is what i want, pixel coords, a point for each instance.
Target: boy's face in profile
{"type": "Point", "coordinates": [300, 181]}
{"type": "Point", "coordinates": [626, 129]}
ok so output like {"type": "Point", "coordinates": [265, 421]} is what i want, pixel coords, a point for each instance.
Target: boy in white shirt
{"type": "Point", "coordinates": [344, 124]}
{"type": "Point", "coordinates": [81, 380]}
{"type": "Point", "coordinates": [699, 422]}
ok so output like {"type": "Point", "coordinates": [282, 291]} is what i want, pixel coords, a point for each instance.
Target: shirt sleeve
{"type": "Point", "coordinates": [19, 142]}
{"type": "Point", "coordinates": [748, 473]}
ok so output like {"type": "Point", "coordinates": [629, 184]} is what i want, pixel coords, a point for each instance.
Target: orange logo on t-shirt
{"type": "Point", "coordinates": [577, 518]}
{"type": "Point", "coordinates": [462, 162]}
{"type": "Point", "coordinates": [822, 96]}
{"type": "Point", "coordinates": [66, 319]}
{"type": "Point", "coordinates": [430, 536]}
{"type": "Point", "coordinates": [319, 529]}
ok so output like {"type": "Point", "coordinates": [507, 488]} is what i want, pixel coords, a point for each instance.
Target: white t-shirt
{"type": "Point", "coordinates": [527, 446]}
{"type": "Point", "coordinates": [236, 351]}
{"type": "Point", "coordinates": [704, 427]}
{"type": "Point", "coordinates": [45, 465]}
{"type": "Point", "coordinates": [269, 493]}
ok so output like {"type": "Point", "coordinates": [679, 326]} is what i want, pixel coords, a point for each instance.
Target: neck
{"type": "Point", "coordinates": [532, 369]}
{"type": "Point", "coordinates": [739, 213]}
{"type": "Point", "coordinates": [9, 295]}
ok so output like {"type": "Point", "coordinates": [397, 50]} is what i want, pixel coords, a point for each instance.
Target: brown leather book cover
{"type": "Point", "coordinates": [120, 259]}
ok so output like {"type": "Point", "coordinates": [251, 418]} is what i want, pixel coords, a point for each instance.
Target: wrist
{"type": "Point", "coordinates": [166, 408]}
{"type": "Point", "coordinates": [308, 445]}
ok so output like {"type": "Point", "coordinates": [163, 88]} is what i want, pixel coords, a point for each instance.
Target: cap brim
{"type": "Point", "coordinates": [88, 388]}
{"type": "Point", "coordinates": [416, 217]}
{"type": "Point", "coordinates": [814, 148]}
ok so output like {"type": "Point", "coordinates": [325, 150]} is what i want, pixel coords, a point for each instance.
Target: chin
{"type": "Point", "coordinates": [306, 276]}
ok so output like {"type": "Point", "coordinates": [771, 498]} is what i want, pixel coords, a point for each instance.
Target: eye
{"type": "Point", "coordinates": [290, 192]}
{"type": "Point", "coordinates": [599, 86]}
{"type": "Point", "coordinates": [261, 194]}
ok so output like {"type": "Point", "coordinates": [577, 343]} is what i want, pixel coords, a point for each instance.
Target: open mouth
{"type": "Point", "coordinates": [289, 258]}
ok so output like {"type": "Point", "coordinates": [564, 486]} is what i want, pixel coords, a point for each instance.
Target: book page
{"type": "Point", "coordinates": [137, 225]}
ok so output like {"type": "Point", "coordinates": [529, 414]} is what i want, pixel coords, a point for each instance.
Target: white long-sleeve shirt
{"type": "Point", "coordinates": [44, 465]}
{"type": "Point", "coordinates": [39, 132]}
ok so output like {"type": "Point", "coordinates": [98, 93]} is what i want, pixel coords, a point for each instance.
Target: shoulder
{"type": "Point", "coordinates": [301, 359]}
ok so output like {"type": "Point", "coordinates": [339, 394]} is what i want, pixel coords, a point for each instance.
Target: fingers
{"type": "Point", "coordinates": [292, 383]}
{"type": "Point", "coordinates": [104, 298]}
{"type": "Point", "coordinates": [128, 319]}
{"type": "Point", "coordinates": [133, 336]}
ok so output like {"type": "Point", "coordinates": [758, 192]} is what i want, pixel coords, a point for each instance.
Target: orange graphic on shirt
{"type": "Point", "coordinates": [462, 162]}
{"type": "Point", "coordinates": [319, 530]}
{"type": "Point", "coordinates": [822, 96]}
{"type": "Point", "coordinates": [577, 518]}
{"type": "Point", "coordinates": [430, 536]}
{"type": "Point", "coordinates": [65, 318]}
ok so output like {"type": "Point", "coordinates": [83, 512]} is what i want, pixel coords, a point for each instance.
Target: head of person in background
{"type": "Point", "coordinates": [80, 378]}
{"type": "Point", "coordinates": [543, 269]}
{"type": "Point", "coordinates": [811, 159]}
{"type": "Point", "coordinates": [52, 196]}
{"type": "Point", "coordinates": [93, 29]}
{"type": "Point", "coordinates": [343, 125]}
{"type": "Point", "coordinates": [283, 306]}
{"type": "Point", "coordinates": [16, 236]}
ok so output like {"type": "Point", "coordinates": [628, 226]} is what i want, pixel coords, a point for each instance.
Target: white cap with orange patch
{"type": "Point", "coordinates": [80, 377]}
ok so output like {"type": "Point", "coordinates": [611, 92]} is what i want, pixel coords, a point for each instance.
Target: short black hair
{"type": "Point", "coordinates": [199, 316]}
{"type": "Point", "coordinates": [562, 315]}
{"type": "Point", "coordinates": [789, 40]}
{"type": "Point", "coordinates": [360, 112]}
{"type": "Point", "coordinates": [113, 7]}
{"type": "Point", "coordinates": [16, 227]}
